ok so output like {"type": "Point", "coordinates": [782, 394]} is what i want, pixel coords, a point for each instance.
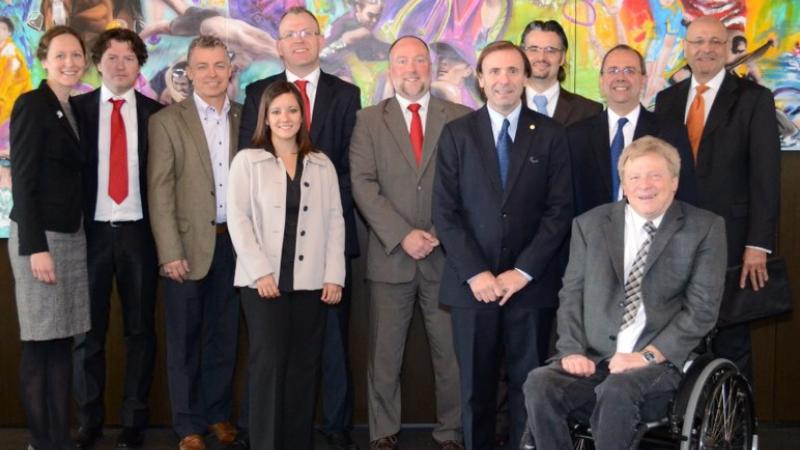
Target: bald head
{"type": "Point", "coordinates": [705, 47]}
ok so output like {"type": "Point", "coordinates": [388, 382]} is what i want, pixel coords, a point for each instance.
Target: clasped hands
{"type": "Point", "coordinates": [581, 366]}
{"type": "Point", "coordinates": [419, 244]}
{"type": "Point", "coordinates": [488, 288]}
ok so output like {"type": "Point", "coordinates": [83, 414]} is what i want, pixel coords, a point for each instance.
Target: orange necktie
{"type": "Point", "coordinates": [695, 121]}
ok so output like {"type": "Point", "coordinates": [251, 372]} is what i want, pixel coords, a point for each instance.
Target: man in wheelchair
{"type": "Point", "coordinates": [642, 288]}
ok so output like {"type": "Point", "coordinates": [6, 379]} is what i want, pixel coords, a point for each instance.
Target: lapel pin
{"type": "Point", "coordinates": [59, 114]}
{"type": "Point", "coordinates": [533, 160]}
{"type": "Point", "coordinates": [531, 127]}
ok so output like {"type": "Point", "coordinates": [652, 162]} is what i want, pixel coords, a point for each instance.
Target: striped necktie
{"type": "Point", "coordinates": [633, 287]}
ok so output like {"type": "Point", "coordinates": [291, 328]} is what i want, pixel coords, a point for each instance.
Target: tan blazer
{"type": "Point", "coordinates": [392, 193]}
{"type": "Point", "coordinates": [181, 185]}
{"type": "Point", "coordinates": [257, 219]}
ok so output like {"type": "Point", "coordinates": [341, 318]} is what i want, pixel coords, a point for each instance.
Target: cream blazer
{"type": "Point", "coordinates": [257, 217]}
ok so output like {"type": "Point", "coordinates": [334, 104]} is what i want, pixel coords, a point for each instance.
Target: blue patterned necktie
{"type": "Point", "coordinates": [503, 151]}
{"type": "Point", "coordinates": [616, 150]}
{"type": "Point", "coordinates": [633, 287]}
{"type": "Point", "coordinates": [541, 104]}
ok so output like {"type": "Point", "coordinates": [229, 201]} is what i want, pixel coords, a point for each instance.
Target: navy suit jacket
{"type": "Point", "coordinates": [738, 162]}
{"type": "Point", "coordinates": [87, 112]}
{"type": "Point", "coordinates": [590, 152]}
{"type": "Point", "coordinates": [485, 227]}
{"type": "Point", "coordinates": [332, 125]}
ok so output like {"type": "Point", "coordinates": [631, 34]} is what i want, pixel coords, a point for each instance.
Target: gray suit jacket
{"type": "Point", "coordinates": [392, 193]}
{"type": "Point", "coordinates": [682, 286]}
{"type": "Point", "coordinates": [181, 185]}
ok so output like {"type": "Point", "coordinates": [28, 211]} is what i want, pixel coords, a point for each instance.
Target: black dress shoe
{"type": "Point", "coordinates": [130, 437]}
{"type": "Point", "coordinates": [239, 444]}
{"type": "Point", "coordinates": [87, 437]}
{"type": "Point", "coordinates": [340, 440]}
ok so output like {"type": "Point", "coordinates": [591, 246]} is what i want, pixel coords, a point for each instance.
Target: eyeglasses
{"type": "Point", "coordinates": [546, 50]}
{"type": "Point", "coordinates": [713, 42]}
{"type": "Point", "coordinates": [627, 71]}
{"type": "Point", "coordinates": [302, 34]}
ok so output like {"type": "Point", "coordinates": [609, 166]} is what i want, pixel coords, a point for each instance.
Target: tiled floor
{"type": "Point", "coordinates": [771, 437]}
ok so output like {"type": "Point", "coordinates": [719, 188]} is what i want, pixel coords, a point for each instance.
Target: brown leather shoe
{"type": "Point", "coordinates": [384, 443]}
{"type": "Point", "coordinates": [450, 445]}
{"type": "Point", "coordinates": [225, 432]}
{"type": "Point", "coordinates": [192, 442]}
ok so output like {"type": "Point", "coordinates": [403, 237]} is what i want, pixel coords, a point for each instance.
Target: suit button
{"type": "Point", "coordinates": [505, 249]}
{"type": "Point", "coordinates": [300, 257]}
{"type": "Point", "coordinates": [306, 184]}
{"type": "Point", "coordinates": [303, 233]}
{"type": "Point", "coordinates": [212, 193]}
{"type": "Point", "coordinates": [505, 215]}
{"type": "Point", "coordinates": [621, 304]}
{"type": "Point", "coordinates": [612, 337]}
{"type": "Point", "coordinates": [419, 188]}
{"type": "Point", "coordinates": [213, 223]}
{"type": "Point", "coordinates": [305, 208]}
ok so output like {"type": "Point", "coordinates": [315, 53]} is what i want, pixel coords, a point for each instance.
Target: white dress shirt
{"type": "Point", "coordinates": [423, 109]}
{"type": "Point", "coordinates": [551, 94]}
{"type": "Point", "coordinates": [708, 96]}
{"type": "Point", "coordinates": [635, 235]}
{"type": "Point", "coordinates": [218, 133]}
{"type": "Point", "coordinates": [627, 132]}
{"type": "Point", "coordinates": [106, 209]}
{"type": "Point", "coordinates": [311, 87]}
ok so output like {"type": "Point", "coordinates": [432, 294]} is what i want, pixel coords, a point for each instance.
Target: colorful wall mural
{"type": "Point", "coordinates": [764, 43]}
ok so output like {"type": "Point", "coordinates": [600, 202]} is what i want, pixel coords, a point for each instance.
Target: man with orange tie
{"type": "Point", "coordinates": [393, 162]}
{"type": "Point", "coordinates": [734, 139]}
{"type": "Point", "coordinates": [113, 125]}
{"type": "Point", "coordinates": [330, 105]}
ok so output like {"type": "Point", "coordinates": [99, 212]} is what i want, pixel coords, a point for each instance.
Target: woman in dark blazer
{"type": "Point", "coordinates": [285, 221]}
{"type": "Point", "coordinates": [47, 246]}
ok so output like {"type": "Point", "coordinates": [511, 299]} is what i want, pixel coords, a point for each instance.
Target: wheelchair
{"type": "Point", "coordinates": [711, 410]}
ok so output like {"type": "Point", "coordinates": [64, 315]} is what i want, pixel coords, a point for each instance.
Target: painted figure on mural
{"type": "Point", "coordinates": [353, 35]}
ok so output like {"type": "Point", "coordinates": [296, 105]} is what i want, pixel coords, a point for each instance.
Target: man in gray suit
{"type": "Point", "coordinates": [392, 165]}
{"type": "Point", "coordinates": [191, 145]}
{"type": "Point", "coordinates": [642, 288]}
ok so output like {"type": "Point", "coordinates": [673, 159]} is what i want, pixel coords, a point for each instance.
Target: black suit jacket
{"type": "Point", "coordinates": [591, 157]}
{"type": "Point", "coordinates": [572, 108]}
{"type": "Point", "coordinates": [485, 227]}
{"type": "Point", "coordinates": [738, 162]}
{"type": "Point", "coordinates": [47, 165]}
{"type": "Point", "coordinates": [87, 110]}
{"type": "Point", "coordinates": [332, 125]}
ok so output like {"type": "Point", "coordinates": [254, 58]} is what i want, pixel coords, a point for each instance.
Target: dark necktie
{"type": "Point", "coordinates": [503, 151]}
{"type": "Point", "coordinates": [118, 156]}
{"type": "Point", "coordinates": [633, 287]}
{"type": "Point", "coordinates": [301, 86]}
{"type": "Point", "coordinates": [416, 132]}
{"type": "Point", "coordinates": [616, 150]}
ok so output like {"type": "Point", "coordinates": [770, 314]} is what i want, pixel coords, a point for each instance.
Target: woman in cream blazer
{"type": "Point", "coordinates": [285, 221]}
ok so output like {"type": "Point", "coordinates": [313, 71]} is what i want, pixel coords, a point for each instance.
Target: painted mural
{"type": "Point", "coordinates": [764, 43]}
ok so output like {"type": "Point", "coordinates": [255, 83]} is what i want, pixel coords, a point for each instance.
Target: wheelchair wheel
{"type": "Point", "coordinates": [719, 414]}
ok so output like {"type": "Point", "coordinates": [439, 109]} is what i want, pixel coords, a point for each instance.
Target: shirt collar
{"type": "Point", "coordinates": [497, 118]}
{"type": "Point", "coordinates": [550, 93]}
{"type": "Point", "coordinates": [423, 102]}
{"type": "Point", "coordinates": [105, 94]}
{"type": "Point", "coordinates": [632, 116]}
{"type": "Point", "coordinates": [204, 108]}
{"type": "Point", "coordinates": [639, 221]}
{"type": "Point", "coordinates": [312, 78]}
{"type": "Point", "coordinates": [713, 84]}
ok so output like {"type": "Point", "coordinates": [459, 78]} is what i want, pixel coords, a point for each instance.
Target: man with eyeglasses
{"type": "Point", "coordinates": [734, 136]}
{"type": "Point", "coordinates": [545, 44]}
{"type": "Point", "coordinates": [595, 144]}
{"type": "Point", "coordinates": [331, 106]}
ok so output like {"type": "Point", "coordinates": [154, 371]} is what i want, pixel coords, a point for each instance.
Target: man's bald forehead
{"type": "Point", "coordinates": [708, 22]}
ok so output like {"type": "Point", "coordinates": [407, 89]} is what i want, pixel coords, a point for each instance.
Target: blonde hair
{"type": "Point", "coordinates": [650, 145]}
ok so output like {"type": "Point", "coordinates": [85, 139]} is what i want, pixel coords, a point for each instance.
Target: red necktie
{"type": "Point", "coordinates": [695, 121]}
{"type": "Point", "coordinates": [416, 131]}
{"type": "Point", "coordinates": [301, 85]}
{"type": "Point", "coordinates": [118, 159]}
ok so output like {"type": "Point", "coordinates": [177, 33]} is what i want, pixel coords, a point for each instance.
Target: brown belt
{"type": "Point", "coordinates": [222, 228]}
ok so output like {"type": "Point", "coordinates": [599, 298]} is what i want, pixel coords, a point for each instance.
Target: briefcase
{"type": "Point", "coordinates": [746, 305]}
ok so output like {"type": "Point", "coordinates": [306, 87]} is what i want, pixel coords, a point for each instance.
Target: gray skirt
{"type": "Point", "coordinates": [52, 311]}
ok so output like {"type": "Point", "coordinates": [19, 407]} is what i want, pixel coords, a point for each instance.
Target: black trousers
{"type": "Point", "coordinates": [285, 339]}
{"type": "Point", "coordinates": [44, 371]}
{"type": "Point", "coordinates": [125, 252]}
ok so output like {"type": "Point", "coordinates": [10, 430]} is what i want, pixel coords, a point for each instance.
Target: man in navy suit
{"type": "Point", "coordinates": [332, 104]}
{"type": "Point", "coordinates": [502, 204]}
{"type": "Point", "coordinates": [596, 143]}
{"type": "Point", "coordinates": [737, 160]}
{"type": "Point", "coordinates": [119, 240]}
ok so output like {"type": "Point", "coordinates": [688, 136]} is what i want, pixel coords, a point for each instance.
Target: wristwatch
{"type": "Point", "coordinates": [649, 356]}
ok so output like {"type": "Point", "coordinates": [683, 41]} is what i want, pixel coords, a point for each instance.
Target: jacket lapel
{"type": "Point", "coordinates": [672, 222]}
{"type": "Point", "coordinates": [396, 124]}
{"type": "Point", "coordinates": [526, 131]}
{"type": "Point", "coordinates": [234, 119]}
{"type": "Point", "coordinates": [563, 107]}
{"type": "Point", "coordinates": [191, 118]}
{"type": "Point", "coordinates": [483, 139]}
{"type": "Point", "coordinates": [60, 114]}
{"type": "Point", "coordinates": [602, 151]}
{"type": "Point", "coordinates": [615, 239]}
{"type": "Point", "coordinates": [646, 125]}
{"type": "Point", "coordinates": [434, 124]}
{"type": "Point", "coordinates": [92, 127]}
{"type": "Point", "coordinates": [322, 106]}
